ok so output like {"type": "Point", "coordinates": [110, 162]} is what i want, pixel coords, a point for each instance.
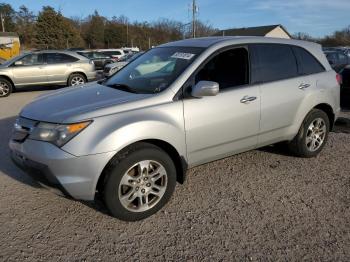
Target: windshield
{"type": "Point", "coordinates": [155, 70]}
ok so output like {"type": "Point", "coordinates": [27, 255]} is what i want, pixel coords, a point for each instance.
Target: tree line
{"type": "Point", "coordinates": [50, 29]}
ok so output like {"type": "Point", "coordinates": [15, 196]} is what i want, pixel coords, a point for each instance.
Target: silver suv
{"type": "Point", "coordinates": [45, 68]}
{"type": "Point", "coordinates": [182, 104]}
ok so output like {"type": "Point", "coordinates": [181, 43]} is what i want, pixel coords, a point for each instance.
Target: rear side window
{"type": "Point", "coordinates": [272, 62]}
{"type": "Point", "coordinates": [56, 58]}
{"type": "Point", "coordinates": [307, 63]}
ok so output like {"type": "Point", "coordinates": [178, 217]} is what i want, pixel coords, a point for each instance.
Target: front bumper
{"type": "Point", "coordinates": [55, 168]}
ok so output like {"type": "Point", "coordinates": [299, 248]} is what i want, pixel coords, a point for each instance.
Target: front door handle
{"type": "Point", "coordinates": [247, 99]}
{"type": "Point", "coordinates": [304, 86]}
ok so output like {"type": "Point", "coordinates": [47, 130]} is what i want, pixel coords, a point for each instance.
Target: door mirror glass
{"type": "Point", "coordinates": [18, 63]}
{"type": "Point", "coordinates": [205, 88]}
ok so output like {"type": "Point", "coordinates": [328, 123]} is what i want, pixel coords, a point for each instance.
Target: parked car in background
{"type": "Point", "coordinates": [111, 69]}
{"type": "Point", "coordinates": [344, 49]}
{"type": "Point", "coordinates": [45, 68]}
{"type": "Point", "coordinates": [337, 59]}
{"type": "Point", "coordinates": [100, 60]}
{"type": "Point", "coordinates": [133, 136]}
{"type": "Point", "coordinates": [116, 54]}
{"type": "Point", "coordinates": [341, 63]}
{"type": "Point", "coordinates": [128, 50]}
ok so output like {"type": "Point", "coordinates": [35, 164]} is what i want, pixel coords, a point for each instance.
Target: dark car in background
{"type": "Point", "coordinates": [100, 59]}
{"type": "Point", "coordinates": [339, 59]}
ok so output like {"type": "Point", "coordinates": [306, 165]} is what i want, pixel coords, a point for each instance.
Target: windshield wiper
{"type": "Point", "coordinates": [122, 87]}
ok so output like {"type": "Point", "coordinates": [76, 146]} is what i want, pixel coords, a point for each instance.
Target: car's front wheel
{"type": "Point", "coordinates": [6, 87]}
{"type": "Point", "coordinates": [140, 181]}
{"type": "Point", "coordinates": [76, 79]}
{"type": "Point", "coordinates": [312, 135]}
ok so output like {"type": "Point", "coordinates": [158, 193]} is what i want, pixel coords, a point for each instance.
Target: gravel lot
{"type": "Point", "coordinates": [260, 205]}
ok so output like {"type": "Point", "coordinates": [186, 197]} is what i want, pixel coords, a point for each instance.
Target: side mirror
{"type": "Point", "coordinates": [205, 88]}
{"type": "Point", "coordinates": [18, 63]}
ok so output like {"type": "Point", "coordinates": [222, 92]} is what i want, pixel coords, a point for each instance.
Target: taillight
{"type": "Point", "coordinates": [339, 79]}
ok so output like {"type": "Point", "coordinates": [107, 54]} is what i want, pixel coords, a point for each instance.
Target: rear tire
{"type": "Point", "coordinates": [139, 182]}
{"type": "Point", "coordinates": [76, 79]}
{"type": "Point", "coordinates": [312, 135]}
{"type": "Point", "coordinates": [6, 87]}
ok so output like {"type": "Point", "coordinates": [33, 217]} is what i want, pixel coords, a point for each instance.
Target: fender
{"type": "Point", "coordinates": [115, 132]}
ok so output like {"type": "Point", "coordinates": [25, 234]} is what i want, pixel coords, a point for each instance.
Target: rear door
{"type": "Point", "coordinates": [274, 69]}
{"type": "Point", "coordinates": [58, 67]}
{"type": "Point", "coordinates": [31, 72]}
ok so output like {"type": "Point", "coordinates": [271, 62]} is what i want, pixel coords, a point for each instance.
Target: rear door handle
{"type": "Point", "coordinates": [247, 99]}
{"type": "Point", "coordinates": [304, 86]}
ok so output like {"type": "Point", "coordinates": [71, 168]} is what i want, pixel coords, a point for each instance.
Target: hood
{"type": "Point", "coordinates": [73, 104]}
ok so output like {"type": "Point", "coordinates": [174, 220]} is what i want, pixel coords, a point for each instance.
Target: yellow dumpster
{"type": "Point", "coordinates": [9, 45]}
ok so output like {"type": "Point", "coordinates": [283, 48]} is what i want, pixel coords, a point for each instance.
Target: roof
{"type": "Point", "coordinates": [250, 31]}
{"type": "Point", "coordinates": [206, 42]}
{"type": "Point", "coordinates": [8, 34]}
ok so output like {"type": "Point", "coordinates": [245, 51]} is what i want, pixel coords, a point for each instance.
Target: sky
{"type": "Point", "coordinates": [315, 17]}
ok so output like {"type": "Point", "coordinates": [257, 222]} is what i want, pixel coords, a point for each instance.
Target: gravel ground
{"type": "Point", "coordinates": [260, 205]}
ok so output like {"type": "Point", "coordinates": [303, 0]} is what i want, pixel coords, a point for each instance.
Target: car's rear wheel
{"type": "Point", "coordinates": [312, 135]}
{"type": "Point", "coordinates": [6, 87]}
{"type": "Point", "coordinates": [76, 79]}
{"type": "Point", "coordinates": [140, 181]}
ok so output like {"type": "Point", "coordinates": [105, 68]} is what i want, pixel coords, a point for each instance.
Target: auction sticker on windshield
{"type": "Point", "coordinates": [186, 56]}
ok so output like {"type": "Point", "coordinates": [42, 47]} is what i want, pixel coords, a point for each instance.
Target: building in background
{"type": "Point", "coordinates": [9, 45]}
{"type": "Point", "coordinates": [269, 31]}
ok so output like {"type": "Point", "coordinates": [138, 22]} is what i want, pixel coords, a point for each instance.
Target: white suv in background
{"type": "Point", "coordinates": [116, 54]}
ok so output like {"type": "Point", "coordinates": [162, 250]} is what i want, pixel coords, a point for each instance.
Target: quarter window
{"type": "Point", "coordinates": [229, 69]}
{"type": "Point", "coordinates": [307, 63]}
{"type": "Point", "coordinates": [273, 62]}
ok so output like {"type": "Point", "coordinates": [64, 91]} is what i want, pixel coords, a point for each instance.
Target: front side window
{"type": "Point", "coordinates": [307, 63]}
{"type": "Point", "coordinates": [155, 70]}
{"type": "Point", "coordinates": [273, 62]}
{"type": "Point", "coordinates": [229, 69]}
{"type": "Point", "coordinates": [32, 59]}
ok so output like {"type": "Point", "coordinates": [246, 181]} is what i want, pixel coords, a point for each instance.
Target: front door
{"type": "Point", "coordinates": [31, 72]}
{"type": "Point", "coordinates": [228, 123]}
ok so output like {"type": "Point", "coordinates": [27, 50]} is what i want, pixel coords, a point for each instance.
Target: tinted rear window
{"type": "Point", "coordinates": [307, 63]}
{"type": "Point", "coordinates": [272, 62]}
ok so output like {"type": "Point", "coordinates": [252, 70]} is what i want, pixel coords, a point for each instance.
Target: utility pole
{"type": "Point", "coordinates": [127, 33]}
{"type": "Point", "coordinates": [149, 43]}
{"type": "Point", "coordinates": [194, 12]}
{"type": "Point", "coordinates": [2, 22]}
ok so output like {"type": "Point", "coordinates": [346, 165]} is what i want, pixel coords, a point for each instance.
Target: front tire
{"type": "Point", "coordinates": [6, 87]}
{"type": "Point", "coordinates": [140, 181]}
{"type": "Point", "coordinates": [312, 136]}
{"type": "Point", "coordinates": [76, 79]}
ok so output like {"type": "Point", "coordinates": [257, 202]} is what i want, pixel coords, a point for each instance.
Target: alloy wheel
{"type": "Point", "coordinates": [143, 186]}
{"type": "Point", "coordinates": [316, 134]}
{"type": "Point", "coordinates": [4, 89]}
{"type": "Point", "coordinates": [77, 80]}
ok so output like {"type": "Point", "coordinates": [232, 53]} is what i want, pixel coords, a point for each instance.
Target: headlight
{"type": "Point", "coordinates": [57, 134]}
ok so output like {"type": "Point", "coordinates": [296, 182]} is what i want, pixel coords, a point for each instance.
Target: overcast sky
{"type": "Point", "coordinates": [316, 17]}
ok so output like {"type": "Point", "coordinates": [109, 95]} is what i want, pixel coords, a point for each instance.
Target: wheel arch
{"type": "Point", "coordinates": [179, 161]}
{"type": "Point", "coordinates": [329, 111]}
{"type": "Point", "coordinates": [76, 72]}
{"type": "Point", "coordinates": [10, 80]}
